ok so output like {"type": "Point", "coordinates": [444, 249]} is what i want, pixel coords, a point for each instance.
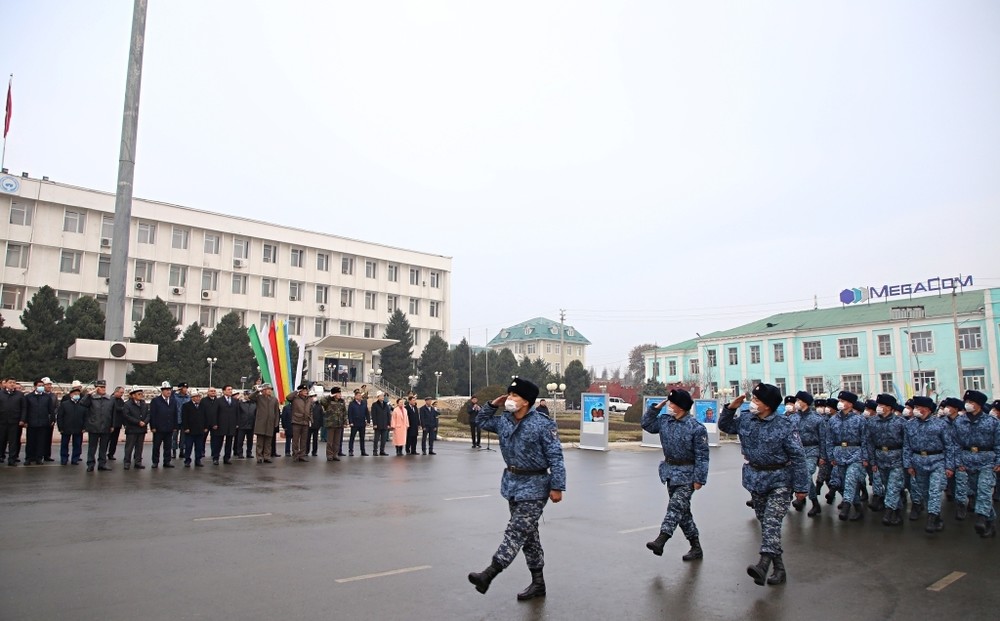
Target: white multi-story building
{"type": "Point", "coordinates": [335, 293]}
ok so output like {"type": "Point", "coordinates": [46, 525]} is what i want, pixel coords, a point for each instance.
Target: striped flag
{"type": "Point", "coordinates": [9, 111]}
{"type": "Point", "coordinates": [258, 353]}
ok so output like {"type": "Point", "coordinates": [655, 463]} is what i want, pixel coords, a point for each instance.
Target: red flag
{"type": "Point", "coordinates": [9, 111]}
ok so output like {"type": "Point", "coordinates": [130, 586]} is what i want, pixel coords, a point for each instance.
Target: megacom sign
{"type": "Point", "coordinates": [863, 294]}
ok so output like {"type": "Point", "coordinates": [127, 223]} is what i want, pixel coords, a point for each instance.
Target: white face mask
{"type": "Point", "coordinates": [840, 406]}
{"type": "Point", "coordinates": [969, 407]}
{"type": "Point", "coordinates": [753, 408]}
{"type": "Point", "coordinates": [880, 410]}
{"type": "Point", "coordinates": [510, 405]}
{"type": "Point", "coordinates": [789, 408]}
{"type": "Point", "coordinates": [907, 411]}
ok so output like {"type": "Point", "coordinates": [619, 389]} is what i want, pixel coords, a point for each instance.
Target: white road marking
{"type": "Point", "coordinates": [636, 530]}
{"type": "Point", "coordinates": [612, 483]}
{"type": "Point", "coordinates": [469, 497]}
{"type": "Point", "coordinates": [946, 581]}
{"type": "Point", "coordinates": [393, 572]}
{"type": "Point", "coordinates": [231, 517]}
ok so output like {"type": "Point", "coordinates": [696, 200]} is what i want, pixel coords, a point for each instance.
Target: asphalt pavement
{"type": "Point", "coordinates": [394, 537]}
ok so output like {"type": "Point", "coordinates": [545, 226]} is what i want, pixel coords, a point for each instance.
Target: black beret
{"type": "Point", "coordinates": [524, 389]}
{"type": "Point", "coordinates": [886, 399]}
{"type": "Point", "coordinates": [926, 402]}
{"type": "Point", "coordinates": [681, 398]}
{"type": "Point", "coordinates": [954, 402]}
{"type": "Point", "coordinates": [804, 396]}
{"type": "Point", "coordinates": [870, 404]}
{"type": "Point", "coordinates": [335, 390]}
{"type": "Point", "coordinates": [768, 394]}
{"type": "Point", "coordinates": [302, 387]}
{"type": "Point", "coordinates": [976, 397]}
{"type": "Point", "coordinates": [847, 395]}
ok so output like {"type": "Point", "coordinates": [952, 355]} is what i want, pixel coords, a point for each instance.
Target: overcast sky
{"type": "Point", "coordinates": [656, 168]}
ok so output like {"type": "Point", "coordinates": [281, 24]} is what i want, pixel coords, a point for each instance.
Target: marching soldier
{"type": "Point", "coordinates": [885, 450]}
{"type": "Point", "coordinates": [776, 467]}
{"type": "Point", "coordinates": [928, 457]}
{"type": "Point", "coordinates": [535, 474]}
{"type": "Point", "coordinates": [684, 468]}
{"type": "Point", "coordinates": [812, 433]}
{"type": "Point", "coordinates": [826, 408]}
{"type": "Point", "coordinates": [846, 453]}
{"type": "Point", "coordinates": [978, 437]}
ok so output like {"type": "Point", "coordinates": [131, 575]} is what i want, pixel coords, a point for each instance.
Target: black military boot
{"type": "Point", "coordinates": [831, 496]}
{"type": "Point", "coordinates": [887, 517]}
{"type": "Point", "coordinates": [980, 525]}
{"type": "Point", "coordinates": [934, 523]}
{"type": "Point", "coordinates": [815, 508]}
{"type": "Point", "coordinates": [961, 510]}
{"type": "Point", "coordinates": [750, 503]}
{"type": "Point", "coordinates": [877, 503]}
{"type": "Point", "coordinates": [864, 492]}
{"type": "Point", "coordinates": [915, 510]}
{"type": "Point", "coordinates": [990, 531]}
{"type": "Point", "coordinates": [536, 588]}
{"type": "Point", "coordinates": [778, 575]}
{"type": "Point", "coordinates": [798, 505]}
{"type": "Point", "coordinates": [657, 544]}
{"type": "Point", "coordinates": [483, 579]}
{"type": "Point", "coordinates": [759, 571]}
{"type": "Point", "coordinates": [695, 552]}
{"type": "Point", "coordinates": [845, 511]}
{"type": "Point", "coordinates": [858, 512]}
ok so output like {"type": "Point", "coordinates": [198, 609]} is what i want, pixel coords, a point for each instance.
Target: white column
{"type": "Point", "coordinates": [991, 341]}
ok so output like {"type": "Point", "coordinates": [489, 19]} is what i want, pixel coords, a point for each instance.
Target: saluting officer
{"type": "Point", "coordinates": [99, 422]}
{"type": "Point", "coordinates": [929, 457]}
{"type": "Point", "coordinates": [885, 450]}
{"type": "Point", "coordinates": [978, 436]}
{"type": "Point", "coordinates": [535, 474]}
{"type": "Point", "coordinates": [776, 466]}
{"type": "Point", "coordinates": [684, 468]}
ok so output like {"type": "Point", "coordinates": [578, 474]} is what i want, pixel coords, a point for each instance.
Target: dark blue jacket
{"type": "Point", "coordinates": [357, 413]}
{"type": "Point", "coordinates": [977, 439]}
{"type": "Point", "coordinates": [531, 444]}
{"type": "Point", "coordinates": [685, 447]}
{"type": "Point", "coordinates": [40, 409]}
{"type": "Point", "coordinates": [885, 440]}
{"type": "Point", "coordinates": [812, 433]}
{"type": "Point", "coordinates": [928, 444]}
{"type": "Point", "coordinates": [162, 415]}
{"type": "Point", "coordinates": [845, 438]}
{"type": "Point", "coordinates": [768, 442]}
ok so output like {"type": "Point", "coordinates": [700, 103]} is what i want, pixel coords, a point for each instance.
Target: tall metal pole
{"type": "Point", "coordinates": [562, 342]}
{"type": "Point", "coordinates": [114, 330]}
{"type": "Point", "coordinates": [958, 349]}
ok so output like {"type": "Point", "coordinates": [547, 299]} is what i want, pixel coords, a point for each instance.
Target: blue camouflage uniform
{"type": "Point", "coordinates": [846, 451]}
{"type": "Point", "coordinates": [812, 433]}
{"type": "Point", "coordinates": [775, 468]}
{"type": "Point", "coordinates": [977, 440]}
{"type": "Point", "coordinates": [929, 449]}
{"type": "Point", "coordinates": [958, 484]}
{"type": "Point", "coordinates": [685, 462]}
{"type": "Point", "coordinates": [885, 451]}
{"type": "Point", "coordinates": [533, 454]}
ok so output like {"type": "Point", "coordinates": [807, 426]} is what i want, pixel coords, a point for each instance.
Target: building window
{"type": "Point", "coordinates": [713, 360]}
{"type": "Point", "coordinates": [144, 270]}
{"type": "Point", "coordinates": [921, 342]}
{"type": "Point", "coordinates": [241, 248]}
{"type": "Point", "coordinates": [392, 273]}
{"type": "Point", "coordinates": [548, 346]}
{"type": "Point", "coordinates": [347, 298]}
{"type": "Point", "coordinates": [322, 294]}
{"type": "Point", "coordinates": [695, 366]}
{"type": "Point", "coordinates": [295, 291]}
{"type": "Point", "coordinates": [207, 318]}
{"type": "Point", "coordinates": [138, 309]}
{"type": "Point", "coordinates": [884, 344]}
{"type": "Point", "coordinates": [852, 383]}
{"type": "Point", "coordinates": [974, 379]}
{"type": "Point", "coordinates": [780, 383]}
{"type": "Point", "coordinates": [270, 253]}
{"type": "Point", "coordinates": [391, 303]}
{"type": "Point", "coordinates": [69, 263]}
{"type": "Point", "coordinates": [319, 327]}
{"type": "Point", "coordinates": [267, 287]}
{"type": "Point", "coordinates": [298, 257]}
{"type": "Point", "coordinates": [814, 385]}
{"type": "Point", "coordinates": [241, 317]}
{"type": "Point", "coordinates": [371, 300]}
{"type": "Point", "coordinates": [266, 318]}
{"type": "Point", "coordinates": [886, 383]}
{"type": "Point", "coordinates": [210, 280]}
{"type": "Point", "coordinates": [924, 382]}
{"type": "Point", "coordinates": [74, 221]}
{"type": "Point", "coordinates": [322, 262]}
{"type": "Point", "coordinates": [557, 346]}
{"type": "Point", "coordinates": [346, 328]}
{"type": "Point", "coordinates": [347, 266]}
{"type": "Point", "coordinates": [414, 306]}
{"type": "Point", "coordinates": [531, 348]}
{"type": "Point", "coordinates": [812, 350]}
{"type": "Point", "coordinates": [734, 356]}
{"type": "Point", "coordinates": [178, 276]}
{"type": "Point", "coordinates": [848, 348]}
{"type": "Point", "coordinates": [436, 280]}
{"type": "Point", "coordinates": [21, 212]}
{"type": "Point", "coordinates": [212, 243]}
{"type": "Point", "coordinates": [755, 354]}
{"type": "Point", "coordinates": [656, 371]}
{"type": "Point", "coordinates": [371, 269]}
{"type": "Point", "coordinates": [416, 336]}
{"type": "Point", "coordinates": [294, 325]}
{"type": "Point", "coordinates": [11, 297]}
{"type": "Point", "coordinates": [240, 284]}
{"type": "Point", "coordinates": [179, 238]}
{"type": "Point", "coordinates": [177, 310]}
{"type": "Point", "coordinates": [414, 276]}
{"type": "Point", "coordinates": [370, 331]}
{"type": "Point", "coordinates": [779, 352]}
{"type": "Point", "coordinates": [17, 255]}
{"type": "Point", "coordinates": [435, 309]}
{"type": "Point", "coordinates": [970, 338]}
{"type": "Point", "coordinates": [671, 368]}
{"type": "Point", "coordinates": [102, 303]}
{"type": "Point", "coordinates": [735, 387]}
{"type": "Point", "coordinates": [103, 266]}
{"type": "Point", "coordinates": [107, 227]}
{"type": "Point", "coordinates": [147, 233]}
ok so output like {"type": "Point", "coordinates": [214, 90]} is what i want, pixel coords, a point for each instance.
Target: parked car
{"type": "Point", "coordinates": [617, 404]}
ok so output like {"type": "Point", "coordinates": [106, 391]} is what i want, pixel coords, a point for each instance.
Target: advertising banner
{"type": "Point", "coordinates": [594, 421]}
{"type": "Point", "coordinates": [706, 411]}
{"type": "Point", "coordinates": [651, 440]}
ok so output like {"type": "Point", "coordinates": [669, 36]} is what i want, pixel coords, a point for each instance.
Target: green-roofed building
{"type": "Point", "coordinates": [902, 346]}
{"type": "Point", "coordinates": [540, 338]}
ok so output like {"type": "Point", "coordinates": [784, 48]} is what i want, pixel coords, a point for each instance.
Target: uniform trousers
{"type": "Point", "coordinates": [264, 445]}
{"type": "Point", "coordinates": [522, 533]}
{"type": "Point", "coordinates": [300, 441]}
{"type": "Point", "coordinates": [771, 508]}
{"type": "Point", "coordinates": [97, 446]}
{"type": "Point", "coordinates": [334, 440]}
{"type": "Point", "coordinates": [812, 461]}
{"type": "Point", "coordinates": [888, 483]}
{"type": "Point", "coordinates": [982, 482]}
{"type": "Point", "coordinates": [679, 512]}
{"type": "Point", "coordinates": [928, 487]}
{"type": "Point", "coordinates": [848, 478]}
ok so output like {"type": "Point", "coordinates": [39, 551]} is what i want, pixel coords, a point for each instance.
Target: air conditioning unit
{"type": "Point", "coordinates": [107, 281]}
{"type": "Point", "coordinates": [105, 242]}
{"type": "Point", "coordinates": [239, 263]}
{"type": "Point", "coordinates": [344, 304]}
{"type": "Point", "coordinates": [206, 294]}
{"type": "Point", "coordinates": [322, 307]}
{"type": "Point", "coordinates": [139, 286]}
{"type": "Point", "coordinates": [139, 279]}
{"type": "Point", "coordinates": [293, 298]}
{"type": "Point", "coordinates": [177, 290]}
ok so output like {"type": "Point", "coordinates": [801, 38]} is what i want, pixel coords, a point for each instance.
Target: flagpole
{"type": "Point", "coordinates": [6, 121]}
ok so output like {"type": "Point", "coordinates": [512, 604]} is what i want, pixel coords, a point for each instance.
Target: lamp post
{"type": "Point", "coordinates": [211, 365]}
{"type": "Point", "coordinates": [243, 382]}
{"type": "Point", "coordinates": [555, 390]}
{"type": "Point", "coordinates": [437, 381]}
{"type": "Point", "coordinates": [413, 381]}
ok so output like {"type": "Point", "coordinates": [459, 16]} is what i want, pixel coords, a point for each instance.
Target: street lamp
{"type": "Point", "coordinates": [437, 380]}
{"type": "Point", "coordinates": [555, 390]}
{"type": "Point", "coordinates": [211, 365]}
{"type": "Point", "coordinates": [413, 381]}
{"type": "Point", "coordinates": [243, 382]}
